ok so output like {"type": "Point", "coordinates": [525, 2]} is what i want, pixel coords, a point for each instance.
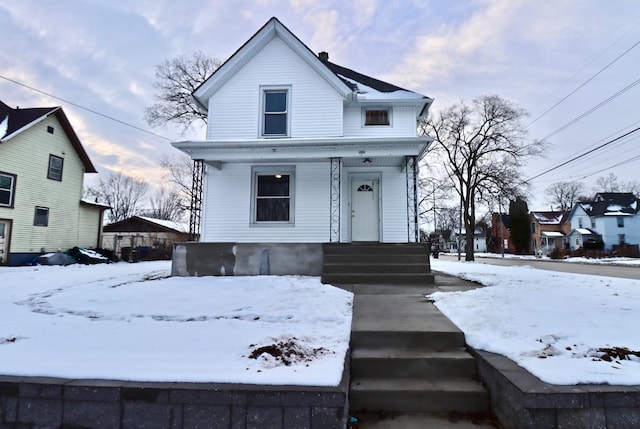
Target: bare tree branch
{"type": "Point", "coordinates": [176, 80]}
{"type": "Point", "coordinates": [484, 145]}
{"type": "Point", "coordinates": [123, 193]}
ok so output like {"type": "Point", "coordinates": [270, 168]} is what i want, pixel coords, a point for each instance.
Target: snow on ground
{"type": "Point", "coordinates": [577, 260]}
{"type": "Point", "coordinates": [130, 322]}
{"type": "Point", "coordinates": [550, 323]}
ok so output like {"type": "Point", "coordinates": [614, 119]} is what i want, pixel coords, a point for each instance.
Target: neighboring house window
{"type": "Point", "coordinates": [275, 112]}
{"type": "Point", "coordinates": [7, 189]}
{"type": "Point", "coordinates": [579, 222]}
{"type": "Point", "coordinates": [533, 227]}
{"type": "Point", "coordinates": [593, 223]}
{"type": "Point", "coordinates": [41, 217]}
{"type": "Point", "coordinates": [55, 168]}
{"type": "Point", "coordinates": [620, 222]}
{"type": "Point", "coordinates": [621, 239]}
{"type": "Point", "coordinates": [50, 129]}
{"type": "Point", "coordinates": [377, 116]}
{"type": "Point", "coordinates": [273, 190]}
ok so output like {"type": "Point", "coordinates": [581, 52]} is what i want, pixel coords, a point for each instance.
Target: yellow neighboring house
{"type": "Point", "coordinates": [42, 167]}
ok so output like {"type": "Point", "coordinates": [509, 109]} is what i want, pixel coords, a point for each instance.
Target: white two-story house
{"type": "Point", "coordinates": [302, 150]}
{"type": "Point", "coordinates": [612, 217]}
{"type": "Point", "coordinates": [42, 167]}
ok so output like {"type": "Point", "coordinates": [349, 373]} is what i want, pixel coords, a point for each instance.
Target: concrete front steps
{"type": "Point", "coordinates": [408, 358]}
{"type": "Point", "coordinates": [376, 263]}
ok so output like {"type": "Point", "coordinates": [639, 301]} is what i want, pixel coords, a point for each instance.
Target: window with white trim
{"type": "Point", "coordinates": [275, 112]}
{"type": "Point", "coordinates": [273, 195]}
{"type": "Point", "coordinates": [41, 217]}
{"type": "Point", "coordinates": [55, 168]}
{"type": "Point", "coordinates": [376, 116]}
{"type": "Point", "coordinates": [7, 189]}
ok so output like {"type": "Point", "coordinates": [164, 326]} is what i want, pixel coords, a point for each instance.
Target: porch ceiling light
{"type": "Point", "coordinates": [366, 161]}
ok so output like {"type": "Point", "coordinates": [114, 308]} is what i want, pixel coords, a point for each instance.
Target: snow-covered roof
{"type": "Point", "coordinates": [178, 226]}
{"type": "Point", "coordinates": [552, 234]}
{"type": "Point", "coordinates": [366, 92]}
{"type": "Point", "coordinates": [584, 231]}
{"type": "Point", "coordinates": [549, 218]}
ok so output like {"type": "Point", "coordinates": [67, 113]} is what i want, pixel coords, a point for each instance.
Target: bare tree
{"type": "Point", "coordinates": [122, 193]}
{"type": "Point", "coordinates": [484, 145]}
{"type": "Point", "coordinates": [176, 80]}
{"type": "Point", "coordinates": [178, 171]}
{"type": "Point", "coordinates": [608, 183]}
{"type": "Point", "coordinates": [166, 205]}
{"type": "Point", "coordinates": [562, 195]}
{"type": "Point", "coordinates": [433, 192]}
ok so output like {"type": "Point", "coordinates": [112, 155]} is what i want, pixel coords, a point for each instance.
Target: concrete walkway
{"type": "Point", "coordinates": [404, 307]}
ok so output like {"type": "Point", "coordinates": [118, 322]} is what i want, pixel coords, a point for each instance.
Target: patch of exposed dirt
{"type": "Point", "coordinates": [610, 354]}
{"type": "Point", "coordinates": [287, 352]}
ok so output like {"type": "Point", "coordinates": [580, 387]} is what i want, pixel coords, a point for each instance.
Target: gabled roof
{"type": "Point", "coordinates": [612, 204]}
{"type": "Point", "coordinates": [346, 82]}
{"type": "Point", "coordinates": [550, 217]}
{"type": "Point", "coordinates": [16, 121]}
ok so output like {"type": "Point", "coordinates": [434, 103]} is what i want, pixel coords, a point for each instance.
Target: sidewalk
{"type": "Point", "coordinates": [405, 308]}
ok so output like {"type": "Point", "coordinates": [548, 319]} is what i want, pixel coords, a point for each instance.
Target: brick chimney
{"type": "Point", "coordinates": [324, 56]}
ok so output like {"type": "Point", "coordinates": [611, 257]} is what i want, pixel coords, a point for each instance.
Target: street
{"type": "Point", "coordinates": [631, 272]}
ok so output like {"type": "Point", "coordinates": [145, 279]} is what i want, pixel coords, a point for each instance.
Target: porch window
{"type": "Point", "coordinates": [620, 222]}
{"type": "Point", "coordinates": [55, 168]}
{"type": "Point", "coordinates": [7, 189]}
{"type": "Point", "coordinates": [273, 195]}
{"type": "Point", "coordinates": [275, 112]}
{"type": "Point", "coordinates": [377, 116]}
{"type": "Point", "coordinates": [41, 217]}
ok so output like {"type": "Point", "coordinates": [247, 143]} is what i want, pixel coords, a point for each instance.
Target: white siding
{"type": "Point", "coordinates": [227, 215]}
{"type": "Point", "coordinates": [315, 109]}
{"type": "Point", "coordinates": [403, 123]}
{"type": "Point", "coordinates": [27, 156]}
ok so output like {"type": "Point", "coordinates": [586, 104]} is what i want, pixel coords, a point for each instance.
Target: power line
{"type": "Point", "coordinates": [594, 108]}
{"type": "Point", "coordinates": [584, 83]}
{"type": "Point", "coordinates": [584, 154]}
{"type": "Point", "coordinates": [567, 80]}
{"type": "Point", "coordinates": [86, 108]}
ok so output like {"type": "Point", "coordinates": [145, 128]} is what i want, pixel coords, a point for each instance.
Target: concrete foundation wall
{"type": "Point", "coordinates": [523, 401]}
{"type": "Point", "coordinates": [246, 259]}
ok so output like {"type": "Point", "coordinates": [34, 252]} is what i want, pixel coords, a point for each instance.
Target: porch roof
{"type": "Point", "coordinates": [281, 150]}
{"type": "Point", "coordinates": [552, 234]}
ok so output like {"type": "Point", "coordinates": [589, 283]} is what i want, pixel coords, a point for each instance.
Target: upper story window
{"type": "Point", "coordinates": [620, 222]}
{"type": "Point", "coordinates": [275, 112]}
{"type": "Point", "coordinates": [273, 195]}
{"type": "Point", "coordinates": [377, 116]}
{"type": "Point", "coordinates": [593, 223]}
{"type": "Point", "coordinates": [580, 222]}
{"type": "Point", "coordinates": [55, 168]}
{"type": "Point", "coordinates": [7, 189]}
{"type": "Point", "coordinates": [50, 129]}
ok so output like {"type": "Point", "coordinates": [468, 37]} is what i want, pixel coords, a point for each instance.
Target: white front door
{"type": "Point", "coordinates": [365, 210]}
{"type": "Point", "coordinates": [5, 227]}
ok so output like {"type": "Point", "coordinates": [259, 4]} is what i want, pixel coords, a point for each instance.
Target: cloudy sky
{"type": "Point", "coordinates": [102, 54]}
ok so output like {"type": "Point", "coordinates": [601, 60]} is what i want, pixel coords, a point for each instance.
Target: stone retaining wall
{"type": "Point", "coordinates": [522, 401]}
{"type": "Point", "coordinates": [54, 403]}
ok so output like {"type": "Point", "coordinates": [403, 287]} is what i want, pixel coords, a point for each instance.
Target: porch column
{"type": "Point", "coordinates": [334, 211]}
{"type": "Point", "coordinates": [411, 169]}
{"type": "Point", "coordinates": [195, 208]}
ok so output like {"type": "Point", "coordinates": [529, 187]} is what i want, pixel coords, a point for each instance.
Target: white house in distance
{"type": "Point", "coordinates": [611, 216]}
{"type": "Point", "coordinates": [42, 167]}
{"type": "Point", "coordinates": [301, 150]}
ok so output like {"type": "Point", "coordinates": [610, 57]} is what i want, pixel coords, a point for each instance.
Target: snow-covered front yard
{"type": "Point", "coordinates": [558, 326]}
{"type": "Point", "coordinates": [130, 322]}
